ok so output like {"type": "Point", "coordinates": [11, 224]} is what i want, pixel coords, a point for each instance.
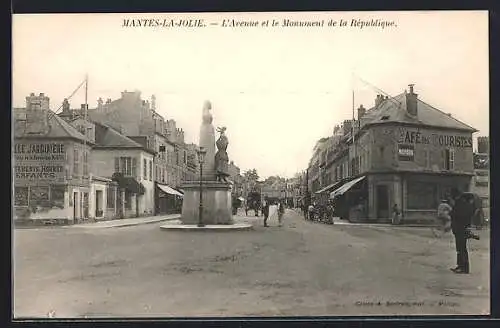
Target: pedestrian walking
{"type": "Point", "coordinates": [461, 216]}
{"type": "Point", "coordinates": [310, 211]}
{"type": "Point", "coordinates": [396, 215]}
{"type": "Point", "coordinates": [265, 210]}
{"type": "Point", "coordinates": [444, 218]}
{"type": "Point", "coordinates": [281, 212]}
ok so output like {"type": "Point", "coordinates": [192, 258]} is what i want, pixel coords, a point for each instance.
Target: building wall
{"type": "Point", "coordinates": [103, 161]}
{"type": "Point", "coordinates": [379, 149]}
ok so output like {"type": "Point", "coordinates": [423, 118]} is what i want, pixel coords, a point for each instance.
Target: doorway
{"type": "Point", "coordinates": [85, 205]}
{"type": "Point", "coordinates": [98, 203]}
{"type": "Point", "coordinates": [382, 201]}
{"type": "Point", "coordinates": [75, 203]}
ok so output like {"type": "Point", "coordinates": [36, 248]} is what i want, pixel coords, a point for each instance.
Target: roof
{"type": "Point", "coordinates": [59, 128]}
{"type": "Point", "coordinates": [394, 110]}
{"type": "Point", "coordinates": [112, 138]}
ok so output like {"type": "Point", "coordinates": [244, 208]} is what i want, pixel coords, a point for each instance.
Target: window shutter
{"type": "Point", "coordinates": [117, 164]}
{"type": "Point", "coordinates": [447, 159]}
{"type": "Point", "coordinates": [134, 167]}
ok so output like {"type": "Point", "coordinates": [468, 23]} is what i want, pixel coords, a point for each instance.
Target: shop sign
{"type": "Point", "coordinates": [35, 161]}
{"type": "Point", "coordinates": [406, 152]}
{"type": "Point", "coordinates": [421, 137]}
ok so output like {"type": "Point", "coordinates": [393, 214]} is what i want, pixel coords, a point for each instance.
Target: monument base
{"type": "Point", "coordinates": [217, 205]}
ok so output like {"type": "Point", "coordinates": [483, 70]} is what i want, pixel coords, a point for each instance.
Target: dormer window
{"type": "Point", "coordinates": [384, 118]}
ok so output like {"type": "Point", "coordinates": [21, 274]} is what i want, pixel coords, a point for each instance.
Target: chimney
{"type": "Point", "coordinates": [99, 103]}
{"type": "Point", "coordinates": [37, 109]}
{"type": "Point", "coordinates": [65, 106]}
{"type": "Point", "coordinates": [378, 100]}
{"type": "Point", "coordinates": [347, 127]}
{"type": "Point", "coordinates": [153, 102]}
{"type": "Point", "coordinates": [412, 102]}
{"type": "Point", "coordinates": [361, 111]}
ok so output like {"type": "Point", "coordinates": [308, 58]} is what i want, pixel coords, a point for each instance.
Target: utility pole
{"type": "Point", "coordinates": [353, 137]}
{"type": "Point", "coordinates": [85, 154]}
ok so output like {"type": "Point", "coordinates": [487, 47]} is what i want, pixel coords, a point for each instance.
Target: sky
{"type": "Point", "coordinates": [277, 89]}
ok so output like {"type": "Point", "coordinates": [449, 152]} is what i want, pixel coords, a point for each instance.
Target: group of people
{"type": "Point", "coordinates": [265, 211]}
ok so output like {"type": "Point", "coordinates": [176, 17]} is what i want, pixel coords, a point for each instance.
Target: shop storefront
{"type": "Point", "coordinates": [168, 200]}
{"type": "Point", "coordinates": [416, 195]}
{"type": "Point", "coordinates": [129, 192]}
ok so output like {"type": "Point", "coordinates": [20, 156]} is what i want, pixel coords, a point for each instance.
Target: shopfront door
{"type": "Point", "coordinates": [75, 205]}
{"type": "Point", "coordinates": [382, 201]}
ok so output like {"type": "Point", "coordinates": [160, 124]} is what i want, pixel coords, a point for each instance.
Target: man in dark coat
{"type": "Point", "coordinates": [265, 210]}
{"type": "Point", "coordinates": [461, 216]}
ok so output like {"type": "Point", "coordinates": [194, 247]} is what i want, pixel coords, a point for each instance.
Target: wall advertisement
{"type": "Point", "coordinates": [36, 161]}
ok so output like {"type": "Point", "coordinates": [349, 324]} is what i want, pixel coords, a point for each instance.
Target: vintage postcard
{"type": "Point", "coordinates": [270, 164]}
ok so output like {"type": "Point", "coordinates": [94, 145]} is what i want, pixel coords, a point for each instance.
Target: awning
{"type": "Point", "coordinates": [345, 187]}
{"type": "Point", "coordinates": [335, 184]}
{"type": "Point", "coordinates": [129, 183]}
{"type": "Point", "coordinates": [241, 199]}
{"type": "Point", "coordinates": [168, 190]}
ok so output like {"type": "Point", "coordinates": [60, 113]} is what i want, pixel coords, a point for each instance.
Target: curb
{"type": "Point", "coordinates": [121, 225]}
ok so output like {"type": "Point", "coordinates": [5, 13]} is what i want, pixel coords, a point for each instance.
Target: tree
{"type": "Point", "coordinates": [251, 175]}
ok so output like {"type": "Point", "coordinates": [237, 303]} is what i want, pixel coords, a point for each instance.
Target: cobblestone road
{"type": "Point", "coordinates": [300, 269]}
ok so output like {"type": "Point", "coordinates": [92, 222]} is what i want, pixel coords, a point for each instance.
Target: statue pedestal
{"type": "Point", "coordinates": [216, 203]}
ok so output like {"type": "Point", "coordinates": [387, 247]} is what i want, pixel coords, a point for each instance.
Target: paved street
{"type": "Point", "coordinates": [302, 268]}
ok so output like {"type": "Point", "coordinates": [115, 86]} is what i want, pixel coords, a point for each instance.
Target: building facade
{"type": "Point", "coordinates": [401, 153]}
{"type": "Point", "coordinates": [174, 160]}
{"type": "Point", "coordinates": [53, 176]}
{"type": "Point", "coordinates": [481, 180]}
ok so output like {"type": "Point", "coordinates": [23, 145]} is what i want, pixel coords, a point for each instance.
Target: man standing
{"type": "Point", "coordinates": [281, 212]}
{"type": "Point", "coordinates": [265, 211]}
{"type": "Point", "coordinates": [461, 216]}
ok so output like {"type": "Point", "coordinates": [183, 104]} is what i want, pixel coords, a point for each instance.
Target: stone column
{"type": "Point", "coordinates": [207, 141]}
{"type": "Point", "coordinates": [123, 203]}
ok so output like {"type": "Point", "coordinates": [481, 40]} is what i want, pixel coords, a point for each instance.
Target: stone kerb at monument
{"type": "Point", "coordinates": [216, 190]}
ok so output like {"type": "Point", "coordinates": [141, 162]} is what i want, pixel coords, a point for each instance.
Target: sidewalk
{"type": "Point", "coordinates": [126, 222]}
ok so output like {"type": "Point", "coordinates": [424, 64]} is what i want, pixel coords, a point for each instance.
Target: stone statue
{"type": "Point", "coordinates": [221, 158]}
{"type": "Point", "coordinates": [207, 117]}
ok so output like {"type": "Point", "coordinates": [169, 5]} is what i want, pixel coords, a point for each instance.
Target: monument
{"type": "Point", "coordinates": [215, 189]}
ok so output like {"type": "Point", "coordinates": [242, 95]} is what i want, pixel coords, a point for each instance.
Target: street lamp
{"type": "Point", "coordinates": [201, 158]}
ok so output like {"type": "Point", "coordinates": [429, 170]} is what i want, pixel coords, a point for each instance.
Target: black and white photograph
{"type": "Point", "coordinates": [250, 164]}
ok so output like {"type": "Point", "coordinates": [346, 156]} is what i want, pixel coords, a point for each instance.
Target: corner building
{"type": "Point", "coordinates": [407, 153]}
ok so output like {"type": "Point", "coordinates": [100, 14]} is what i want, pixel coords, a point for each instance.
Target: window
{"type": "Point", "coordinates": [150, 170]}
{"type": "Point", "coordinates": [144, 169]}
{"type": "Point", "coordinates": [422, 195]}
{"type": "Point", "coordinates": [57, 196]}
{"type": "Point", "coordinates": [21, 196]}
{"type": "Point", "coordinates": [185, 157]}
{"type": "Point", "coordinates": [85, 163]}
{"type": "Point", "coordinates": [134, 167]}
{"type": "Point", "coordinates": [126, 165]}
{"type": "Point", "coordinates": [177, 157]}
{"type": "Point", "coordinates": [39, 196]}
{"type": "Point", "coordinates": [449, 159]}
{"type": "Point", "coordinates": [76, 162]}
{"type": "Point", "coordinates": [110, 195]}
